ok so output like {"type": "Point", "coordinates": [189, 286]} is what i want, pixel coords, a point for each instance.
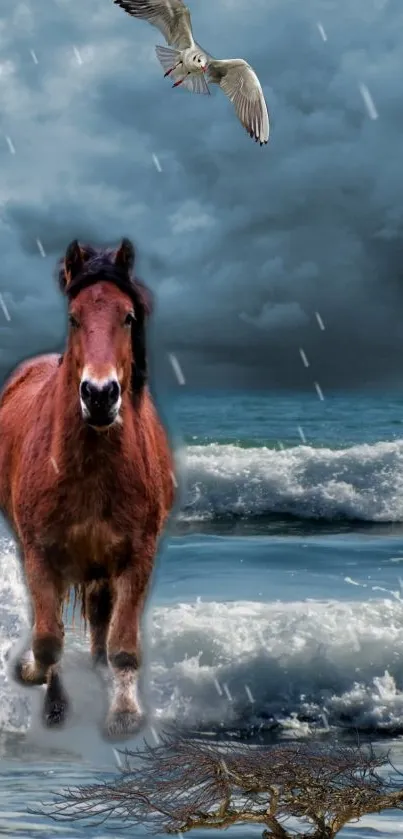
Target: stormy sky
{"type": "Point", "coordinates": [242, 245]}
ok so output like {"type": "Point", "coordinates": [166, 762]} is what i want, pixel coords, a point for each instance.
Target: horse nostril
{"type": "Point", "coordinates": [85, 391]}
{"type": "Point", "coordinates": [113, 392]}
{"type": "Point", "coordinates": [100, 398]}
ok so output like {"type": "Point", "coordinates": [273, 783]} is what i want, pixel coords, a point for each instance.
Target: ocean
{"type": "Point", "coordinates": [276, 603]}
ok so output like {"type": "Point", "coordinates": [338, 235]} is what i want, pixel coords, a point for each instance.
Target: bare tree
{"type": "Point", "coordinates": [183, 784]}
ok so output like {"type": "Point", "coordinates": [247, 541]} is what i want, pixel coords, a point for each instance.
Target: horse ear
{"type": "Point", "coordinates": [125, 256]}
{"type": "Point", "coordinates": [73, 262]}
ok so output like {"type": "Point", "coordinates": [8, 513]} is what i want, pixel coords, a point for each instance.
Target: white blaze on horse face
{"type": "Point", "coordinates": [99, 383]}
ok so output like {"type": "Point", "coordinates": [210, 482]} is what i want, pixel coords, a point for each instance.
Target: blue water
{"type": "Point", "coordinates": [276, 603]}
{"type": "Point", "coordinates": [265, 419]}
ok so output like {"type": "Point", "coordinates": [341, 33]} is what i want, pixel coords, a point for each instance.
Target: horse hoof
{"type": "Point", "coordinates": [123, 724]}
{"type": "Point", "coordinates": [55, 713]}
{"type": "Point", "coordinates": [24, 673]}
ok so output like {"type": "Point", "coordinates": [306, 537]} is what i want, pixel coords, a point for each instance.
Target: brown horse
{"type": "Point", "coordinates": [86, 479]}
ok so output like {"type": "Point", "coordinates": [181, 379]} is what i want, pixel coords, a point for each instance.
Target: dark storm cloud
{"type": "Point", "coordinates": [242, 245]}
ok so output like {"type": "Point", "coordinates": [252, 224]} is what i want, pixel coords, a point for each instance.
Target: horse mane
{"type": "Point", "coordinates": [99, 266]}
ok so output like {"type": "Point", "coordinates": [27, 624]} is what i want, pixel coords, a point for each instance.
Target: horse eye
{"type": "Point", "coordinates": [73, 322]}
{"type": "Point", "coordinates": [130, 318]}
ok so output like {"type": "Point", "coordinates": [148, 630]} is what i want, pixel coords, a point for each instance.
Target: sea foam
{"type": "Point", "coordinates": [363, 482]}
{"type": "Point", "coordinates": [241, 665]}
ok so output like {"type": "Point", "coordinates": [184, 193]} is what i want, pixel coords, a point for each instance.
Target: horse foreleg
{"type": "Point", "coordinates": [98, 609]}
{"type": "Point", "coordinates": [123, 644]}
{"type": "Point", "coordinates": [48, 630]}
{"type": "Point", "coordinates": [56, 702]}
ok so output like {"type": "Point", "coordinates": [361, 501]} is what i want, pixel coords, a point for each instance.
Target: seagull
{"type": "Point", "coordinates": [186, 62]}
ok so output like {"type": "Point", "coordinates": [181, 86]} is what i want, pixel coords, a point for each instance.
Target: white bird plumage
{"type": "Point", "coordinates": [189, 64]}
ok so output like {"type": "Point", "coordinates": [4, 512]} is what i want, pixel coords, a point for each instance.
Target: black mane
{"type": "Point", "coordinates": [99, 266]}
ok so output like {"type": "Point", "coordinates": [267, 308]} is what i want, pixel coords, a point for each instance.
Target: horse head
{"type": "Point", "coordinates": [107, 310]}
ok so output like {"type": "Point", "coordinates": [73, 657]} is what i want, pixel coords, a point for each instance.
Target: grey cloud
{"type": "Point", "coordinates": [242, 245]}
{"type": "Point", "coordinates": [276, 316]}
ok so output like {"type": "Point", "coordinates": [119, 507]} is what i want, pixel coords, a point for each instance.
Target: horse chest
{"type": "Point", "coordinates": [95, 537]}
{"type": "Point", "coordinates": [92, 549]}
{"type": "Point", "coordinates": [95, 508]}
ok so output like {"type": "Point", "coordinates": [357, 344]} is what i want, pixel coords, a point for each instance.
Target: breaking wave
{"type": "Point", "coordinates": [242, 666]}
{"type": "Point", "coordinates": [300, 665]}
{"type": "Point", "coordinates": [360, 483]}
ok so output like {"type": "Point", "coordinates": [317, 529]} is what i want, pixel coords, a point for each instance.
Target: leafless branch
{"type": "Point", "coordinates": [182, 784]}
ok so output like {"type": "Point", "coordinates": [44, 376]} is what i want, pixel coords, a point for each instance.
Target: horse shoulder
{"type": "Point", "coordinates": [31, 374]}
{"type": "Point", "coordinates": [19, 407]}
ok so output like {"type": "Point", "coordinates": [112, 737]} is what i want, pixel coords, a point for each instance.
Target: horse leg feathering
{"type": "Point", "coordinates": [123, 643]}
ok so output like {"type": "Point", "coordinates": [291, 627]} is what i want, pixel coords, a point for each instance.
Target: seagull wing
{"type": "Point", "coordinates": [171, 17]}
{"type": "Point", "coordinates": [196, 83]}
{"type": "Point", "coordinates": [240, 83]}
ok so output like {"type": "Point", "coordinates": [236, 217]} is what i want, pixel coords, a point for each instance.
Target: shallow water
{"type": "Point", "coordinates": [276, 602]}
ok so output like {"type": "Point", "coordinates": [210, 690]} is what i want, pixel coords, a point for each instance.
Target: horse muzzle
{"type": "Point", "coordinates": [100, 402]}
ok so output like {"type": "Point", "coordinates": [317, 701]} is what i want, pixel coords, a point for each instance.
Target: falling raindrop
{"type": "Point", "coordinates": [155, 735]}
{"type": "Point", "coordinates": [118, 758]}
{"type": "Point", "coordinates": [227, 692]}
{"type": "Point", "coordinates": [249, 694]}
{"type": "Point", "coordinates": [77, 55]}
{"type": "Point", "coordinates": [10, 145]}
{"type": "Point", "coordinates": [321, 31]}
{"type": "Point", "coordinates": [34, 57]}
{"type": "Point", "coordinates": [157, 163]}
{"type": "Point", "coordinates": [301, 434]}
{"type": "Point", "coordinates": [320, 321]}
{"type": "Point", "coordinates": [304, 358]}
{"type": "Point", "coordinates": [218, 687]}
{"type": "Point", "coordinates": [319, 391]}
{"type": "Point", "coordinates": [4, 307]}
{"type": "Point", "coordinates": [41, 249]}
{"type": "Point", "coordinates": [325, 720]}
{"type": "Point", "coordinates": [54, 464]}
{"type": "Point", "coordinates": [368, 101]}
{"type": "Point", "coordinates": [177, 369]}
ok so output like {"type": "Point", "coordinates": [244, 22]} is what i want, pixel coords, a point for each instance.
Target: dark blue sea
{"type": "Point", "coordinates": [276, 602]}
